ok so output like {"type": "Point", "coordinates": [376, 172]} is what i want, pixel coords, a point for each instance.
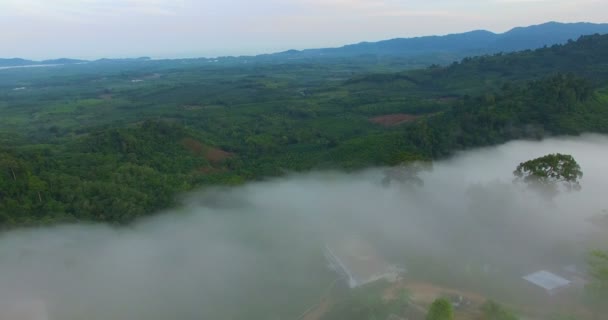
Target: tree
{"type": "Point", "coordinates": [407, 173]}
{"type": "Point", "coordinates": [37, 186]}
{"type": "Point", "coordinates": [9, 165]}
{"type": "Point", "coordinates": [441, 309]}
{"type": "Point", "coordinates": [549, 171]}
{"type": "Point", "coordinates": [597, 288]}
{"type": "Point", "coordinates": [494, 311]}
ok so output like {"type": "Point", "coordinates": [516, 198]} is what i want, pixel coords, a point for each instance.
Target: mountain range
{"type": "Point", "coordinates": [450, 47]}
{"type": "Point", "coordinates": [463, 44]}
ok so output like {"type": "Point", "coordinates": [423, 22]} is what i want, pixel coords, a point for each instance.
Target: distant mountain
{"type": "Point", "coordinates": [462, 44]}
{"type": "Point", "coordinates": [62, 61]}
{"type": "Point", "coordinates": [419, 51]}
{"type": "Point", "coordinates": [16, 62]}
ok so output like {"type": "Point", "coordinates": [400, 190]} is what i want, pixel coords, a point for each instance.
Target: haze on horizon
{"type": "Point", "coordinates": [42, 29]}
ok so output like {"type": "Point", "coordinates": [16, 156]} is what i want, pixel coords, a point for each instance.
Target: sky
{"type": "Point", "coordinates": [41, 29]}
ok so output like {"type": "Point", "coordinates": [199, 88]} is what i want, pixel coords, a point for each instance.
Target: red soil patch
{"type": "Point", "coordinates": [396, 119]}
{"type": "Point", "coordinates": [217, 155]}
{"type": "Point", "coordinates": [213, 155]}
{"type": "Point", "coordinates": [193, 146]}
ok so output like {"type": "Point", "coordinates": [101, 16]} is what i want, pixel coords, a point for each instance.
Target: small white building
{"type": "Point", "coordinates": [548, 281]}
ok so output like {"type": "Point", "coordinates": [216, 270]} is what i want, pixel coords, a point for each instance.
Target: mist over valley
{"type": "Point", "coordinates": [451, 176]}
{"type": "Point", "coordinates": [468, 227]}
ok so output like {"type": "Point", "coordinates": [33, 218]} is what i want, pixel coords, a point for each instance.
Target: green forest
{"type": "Point", "coordinates": [113, 141]}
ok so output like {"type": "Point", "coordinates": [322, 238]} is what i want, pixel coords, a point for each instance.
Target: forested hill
{"type": "Point", "coordinates": [121, 142]}
{"type": "Point", "coordinates": [587, 58]}
{"type": "Point", "coordinates": [462, 44]}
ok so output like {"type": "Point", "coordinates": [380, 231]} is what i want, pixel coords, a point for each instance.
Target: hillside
{"type": "Point", "coordinates": [119, 140]}
{"type": "Point", "coordinates": [456, 46]}
{"type": "Point", "coordinates": [585, 57]}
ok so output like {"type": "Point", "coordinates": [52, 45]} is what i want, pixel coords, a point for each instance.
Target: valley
{"type": "Point", "coordinates": [430, 178]}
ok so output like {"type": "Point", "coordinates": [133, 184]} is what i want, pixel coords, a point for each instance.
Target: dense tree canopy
{"type": "Point", "coordinates": [550, 170]}
{"type": "Point", "coordinates": [441, 309]}
{"type": "Point", "coordinates": [85, 142]}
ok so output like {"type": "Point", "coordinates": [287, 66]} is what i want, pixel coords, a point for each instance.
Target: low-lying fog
{"type": "Point", "coordinates": [255, 252]}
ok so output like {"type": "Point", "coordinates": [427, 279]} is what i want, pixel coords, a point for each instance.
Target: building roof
{"type": "Point", "coordinates": [547, 280]}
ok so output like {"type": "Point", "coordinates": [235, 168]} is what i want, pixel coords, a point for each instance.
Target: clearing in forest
{"type": "Point", "coordinates": [213, 155]}
{"type": "Point", "coordinates": [396, 119]}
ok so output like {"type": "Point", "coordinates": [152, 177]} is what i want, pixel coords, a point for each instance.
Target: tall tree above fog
{"type": "Point", "coordinates": [549, 172]}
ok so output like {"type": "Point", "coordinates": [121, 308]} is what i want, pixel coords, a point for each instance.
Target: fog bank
{"type": "Point", "coordinates": [255, 252]}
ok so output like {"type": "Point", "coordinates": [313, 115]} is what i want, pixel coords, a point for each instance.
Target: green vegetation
{"type": "Point", "coordinates": [598, 288]}
{"type": "Point", "coordinates": [549, 170]}
{"type": "Point", "coordinates": [494, 311]}
{"type": "Point", "coordinates": [113, 141]}
{"type": "Point", "coordinates": [441, 309]}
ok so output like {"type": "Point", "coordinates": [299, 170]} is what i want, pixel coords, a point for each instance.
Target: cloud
{"type": "Point", "coordinates": [64, 9]}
